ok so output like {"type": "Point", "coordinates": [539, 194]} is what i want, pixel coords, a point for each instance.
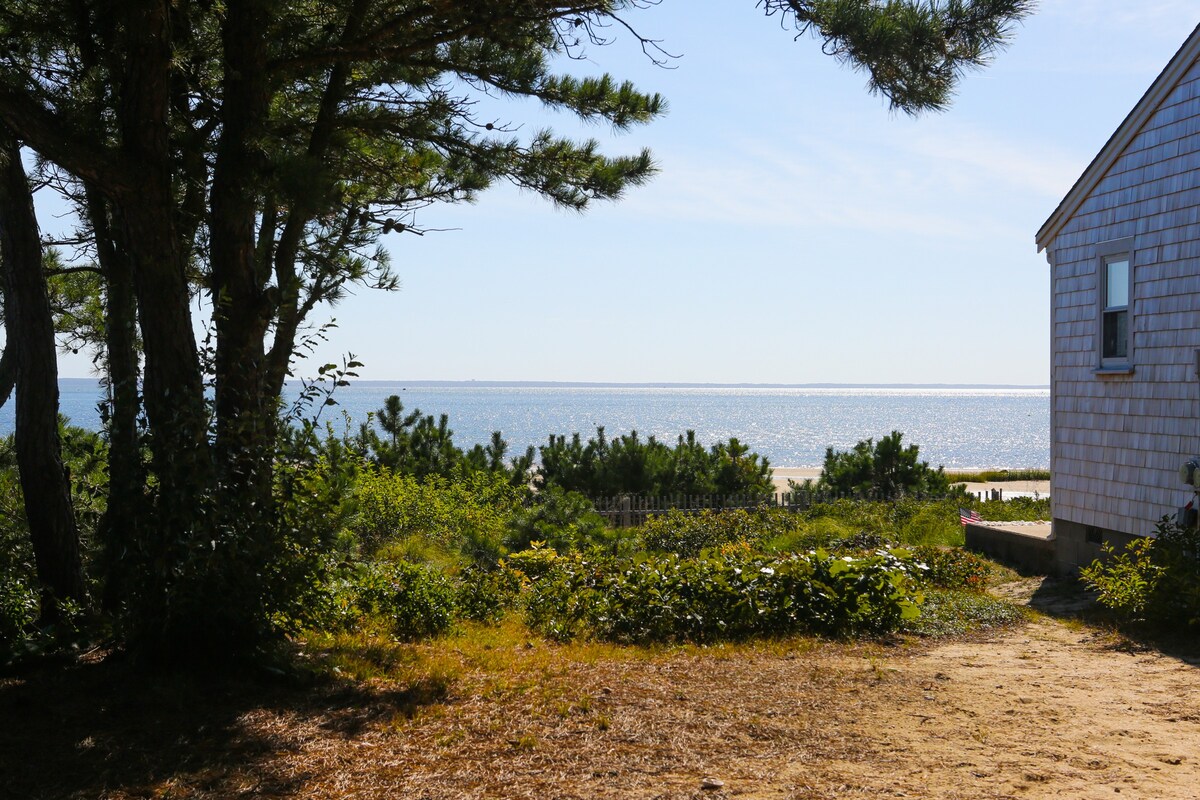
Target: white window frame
{"type": "Point", "coordinates": [1106, 253]}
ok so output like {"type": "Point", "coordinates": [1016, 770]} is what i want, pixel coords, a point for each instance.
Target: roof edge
{"type": "Point", "coordinates": [1162, 86]}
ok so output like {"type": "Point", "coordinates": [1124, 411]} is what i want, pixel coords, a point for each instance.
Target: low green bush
{"type": "Point", "coordinates": [689, 533]}
{"type": "Point", "coordinates": [953, 568]}
{"type": "Point", "coordinates": [1152, 580]}
{"type": "Point", "coordinates": [668, 598]}
{"type": "Point", "coordinates": [535, 562]}
{"type": "Point", "coordinates": [415, 602]}
{"type": "Point", "coordinates": [18, 612]}
{"type": "Point", "coordinates": [820, 532]}
{"type": "Point", "coordinates": [486, 595]}
{"type": "Point", "coordinates": [563, 520]}
{"type": "Point", "coordinates": [469, 516]}
{"type": "Point", "coordinates": [949, 612]}
{"type": "Point", "coordinates": [935, 524]}
{"type": "Point", "coordinates": [1015, 509]}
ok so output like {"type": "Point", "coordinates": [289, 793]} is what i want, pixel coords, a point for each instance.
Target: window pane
{"type": "Point", "coordinates": [1116, 334]}
{"type": "Point", "coordinates": [1117, 275]}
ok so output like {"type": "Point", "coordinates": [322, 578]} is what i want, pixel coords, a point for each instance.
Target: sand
{"type": "Point", "coordinates": [1010, 488]}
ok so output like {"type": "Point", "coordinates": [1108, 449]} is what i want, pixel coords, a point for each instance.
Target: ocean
{"type": "Point", "coordinates": [955, 427]}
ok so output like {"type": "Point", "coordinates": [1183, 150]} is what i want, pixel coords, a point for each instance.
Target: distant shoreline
{"type": "Point", "coordinates": [661, 385]}
{"type": "Point", "coordinates": [669, 385]}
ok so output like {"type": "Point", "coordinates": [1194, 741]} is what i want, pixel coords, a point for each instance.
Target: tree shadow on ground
{"type": "Point", "coordinates": [1068, 598]}
{"type": "Point", "coordinates": [106, 729]}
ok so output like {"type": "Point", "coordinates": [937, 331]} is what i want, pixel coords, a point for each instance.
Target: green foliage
{"type": "Point", "coordinates": [949, 612]}
{"type": "Point", "coordinates": [630, 465]}
{"type": "Point", "coordinates": [18, 613]}
{"type": "Point", "coordinates": [563, 520]}
{"type": "Point", "coordinates": [913, 53]}
{"type": "Point", "coordinates": [666, 597]}
{"type": "Point", "coordinates": [415, 602]}
{"type": "Point", "coordinates": [486, 595]}
{"type": "Point", "coordinates": [469, 515]}
{"type": "Point", "coordinates": [687, 534]}
{"type": "Point", "coordinates": [418, 445]}
{"type": "Point", "coordinates": [536, 562]}
{"type": "Point", "coordinates": [1153, 580]}
{"type": "Point", "coordinates": [84, 455]}
{"type": "Point", "coordinates": [884, 470]}
{"type": "Point", "coordinates": [1016, 509]}
{"type": "Point", "coordinates": [953, 568]}
{"type": "Point", "coordinates": [933, 525]}
{"type": "Point", "coordinates": [811, 533]}
{"type": "Point", "coordinates": [998, 475]}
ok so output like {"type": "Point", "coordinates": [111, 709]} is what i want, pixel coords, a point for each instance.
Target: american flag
{"type": "Point", "coordinates": [966, 515]}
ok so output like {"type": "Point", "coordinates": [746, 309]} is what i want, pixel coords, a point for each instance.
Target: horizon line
{"type": "Point", "coordinates": [490, 384]}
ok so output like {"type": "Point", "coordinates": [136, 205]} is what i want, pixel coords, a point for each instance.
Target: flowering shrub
{"type": "Point", "coordinates": [666, 597]}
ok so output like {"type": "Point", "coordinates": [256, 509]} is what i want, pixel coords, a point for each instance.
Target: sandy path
{"type": "Point", "coordinates": [1047, 711]}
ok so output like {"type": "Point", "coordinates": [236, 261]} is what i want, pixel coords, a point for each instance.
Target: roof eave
{"type": "Point", "coordinates": [1145, 108]}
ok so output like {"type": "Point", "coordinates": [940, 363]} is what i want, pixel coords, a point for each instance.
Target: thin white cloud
{"type": "Point", "coordinates": [948, 183]}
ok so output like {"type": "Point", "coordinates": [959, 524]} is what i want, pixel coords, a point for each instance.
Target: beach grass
{"type": "Point", "coordinates": [997, 475]}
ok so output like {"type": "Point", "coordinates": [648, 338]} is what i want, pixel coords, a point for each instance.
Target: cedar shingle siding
{"type": "Point", "coordinates": [1118, 439]}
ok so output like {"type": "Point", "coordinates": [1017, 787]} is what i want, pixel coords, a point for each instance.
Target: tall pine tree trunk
{"type": "Point", "coordinates": [121, 526]}
{"type": "Point", "coordinates": [168, 604]}
{"type": "Point", "coordinates": [30, 330]}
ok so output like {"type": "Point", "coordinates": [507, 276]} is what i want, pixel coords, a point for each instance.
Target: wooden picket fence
{"type": "Point", "coordinates": [625, 511]}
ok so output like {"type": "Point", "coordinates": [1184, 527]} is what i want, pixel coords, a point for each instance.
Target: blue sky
{"type": "Point", "coordinates": [798, 231]}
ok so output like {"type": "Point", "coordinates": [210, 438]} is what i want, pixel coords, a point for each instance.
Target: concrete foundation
{"type": "Point", "coordinates": [1026, 548]}
{"type": "Point", "coordinates": [1058, 548]}
{"type": "Point", "coordinates": [1078, 545]}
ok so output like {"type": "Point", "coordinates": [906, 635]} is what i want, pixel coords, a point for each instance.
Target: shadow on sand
{"type": "Point", "coordinates": [1067, 598]}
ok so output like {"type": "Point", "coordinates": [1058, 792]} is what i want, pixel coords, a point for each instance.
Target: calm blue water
{"type": "Point", "coordinates": [791, 427]}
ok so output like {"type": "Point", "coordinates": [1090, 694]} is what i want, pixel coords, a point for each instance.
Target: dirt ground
{"type": "Point", "coordinates": [1052, 708]}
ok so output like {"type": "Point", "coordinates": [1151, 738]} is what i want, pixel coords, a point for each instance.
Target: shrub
{"type": "Point", "coordinates": [953, 568]}
{"type": "Point", "coordinates": [629, 464]}
{"type": "Point", "coordinates": [1016, 509]}
{"type": "Point", "coordinates": [18, 612]}
{"type": "Point", "coordinates": [486, 595]}
{"type": "Point", "coordinates": [563, 520]}
{"type": "Point", "coordinates": [468, 516]}
{"type": "Point", "coordinates": [535, 562]}
{"type": "Point", "coordinates": [820, 532]}
{"type": "Point", "coordinates": [416, 602]}
{"type": "Point", "coordinates": [666, 597]}
{"type": "Point", "coordinates": [689, 533]}
{"type": "Point", "coordinates": [884, 469]}
{"type": "Point", "coordinates": [857, 515]}
{"type": "Point", "coordinates": [1156, 580]}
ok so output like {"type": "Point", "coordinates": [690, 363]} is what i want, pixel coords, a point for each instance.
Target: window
{"type": "Point", "coordinates": [1116, 308]}
{"type": "Point", "coordinates": [1115, 303]}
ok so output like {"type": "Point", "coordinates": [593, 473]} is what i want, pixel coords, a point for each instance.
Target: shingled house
{"type": "Point", "coordinates": [1124, 250]}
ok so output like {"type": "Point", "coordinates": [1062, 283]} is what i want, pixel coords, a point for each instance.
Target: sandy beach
{"type": "Point", "coordinates": [1010, 488]}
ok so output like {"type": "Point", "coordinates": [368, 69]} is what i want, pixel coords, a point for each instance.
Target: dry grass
{"type": "Point", "coordinates": [488, 712]}
{"type": "Point", "coordinates": [494, 713]}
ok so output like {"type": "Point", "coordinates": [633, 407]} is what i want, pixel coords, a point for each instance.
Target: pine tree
{"type": "Point", "coordinates": [258, 151]}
